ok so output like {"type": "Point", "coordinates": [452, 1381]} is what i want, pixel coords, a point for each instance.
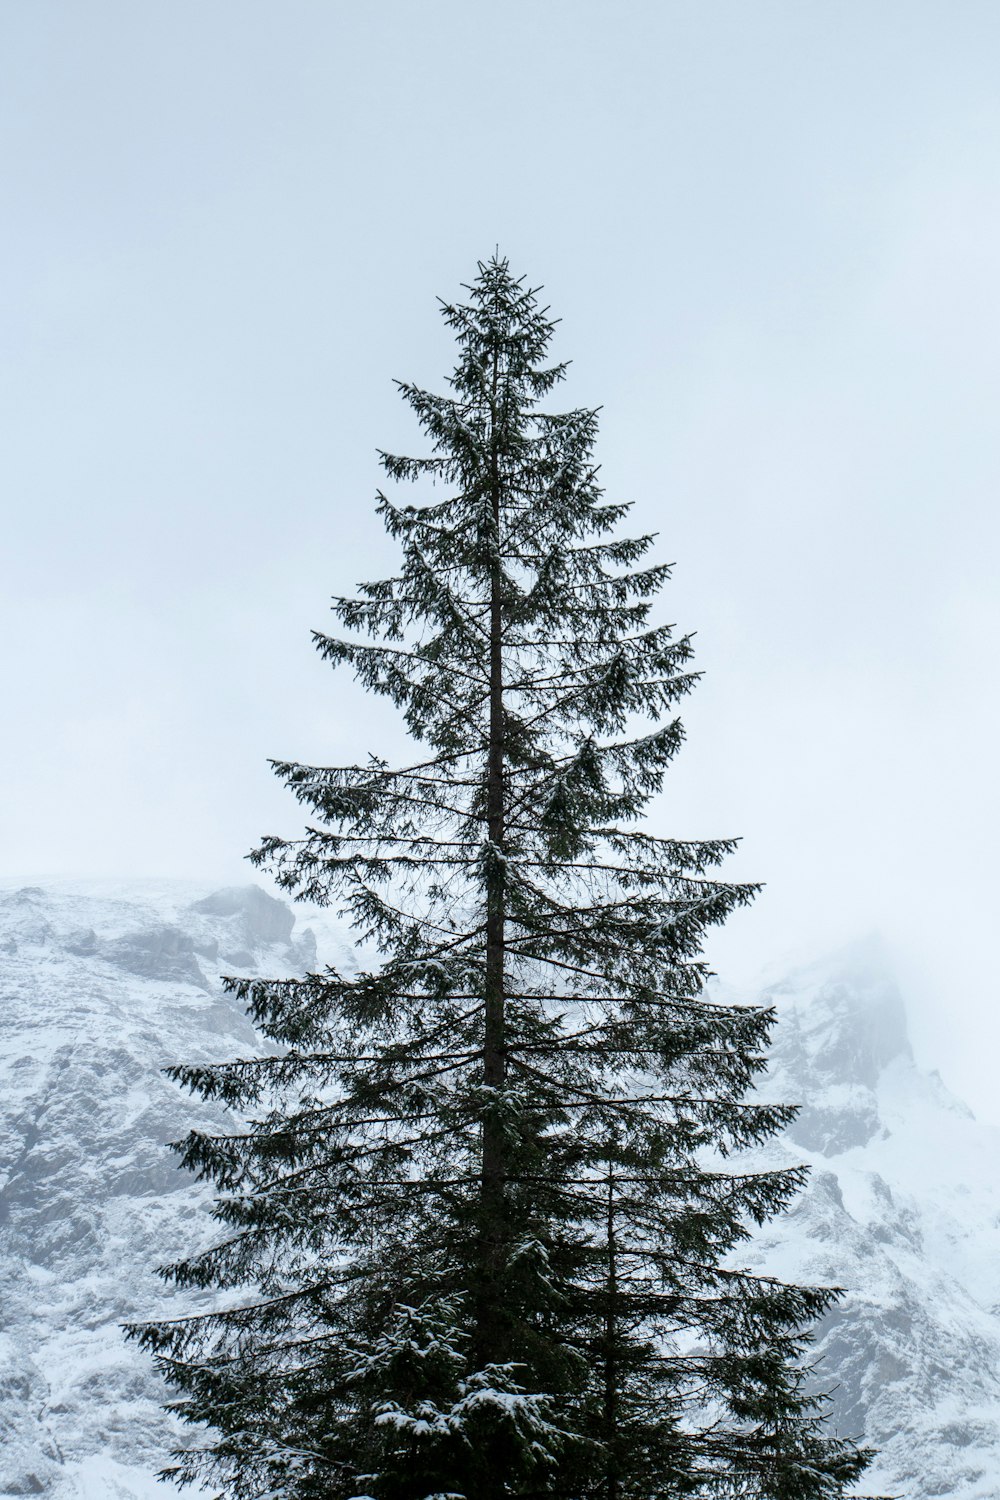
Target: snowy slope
{"type": "Point", "coordinates": [100, 986]}
{"type": "Point", "coordinates": [903, 1209]}
{"type": "Point", "coordinates": [98, 990]}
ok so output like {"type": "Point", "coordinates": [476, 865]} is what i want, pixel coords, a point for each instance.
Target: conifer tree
{"type": "Point", "coordinates": [478, 1226]}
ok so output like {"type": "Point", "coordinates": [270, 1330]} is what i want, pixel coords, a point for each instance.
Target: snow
{"type": "Point", "coordinates": [903, 1209]}
{"type": "Point", "coordinates": [103, 983]}
{"type": "Point", "coordinates": [98, 1478]}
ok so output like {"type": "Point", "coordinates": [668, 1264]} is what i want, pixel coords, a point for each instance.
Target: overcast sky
{"type": "Point", "coordinates": [772, 232]}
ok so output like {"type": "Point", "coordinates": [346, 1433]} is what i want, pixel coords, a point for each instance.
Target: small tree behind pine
{"type": "Point", "coordinates": [477, 1229]}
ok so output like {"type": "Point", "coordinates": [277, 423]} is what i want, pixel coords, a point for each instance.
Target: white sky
{"type": "Point", "coordinates": [772, 231]}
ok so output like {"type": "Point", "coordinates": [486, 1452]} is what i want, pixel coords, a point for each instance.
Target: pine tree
{"type": "Point", "coordinates": [479, 1224]}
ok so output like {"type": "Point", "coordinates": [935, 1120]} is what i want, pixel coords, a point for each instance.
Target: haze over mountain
{"type": "Point", "coordinates": [101, 985]}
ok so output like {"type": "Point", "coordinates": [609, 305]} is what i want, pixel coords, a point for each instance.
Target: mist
{"type": "Point", "coordinates": [771, 234]}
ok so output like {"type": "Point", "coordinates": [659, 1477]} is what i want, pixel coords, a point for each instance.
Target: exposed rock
{"type": "Point", "coordinates": [264, 920]}
{"type": "Point", "coordinates": [161, 953]}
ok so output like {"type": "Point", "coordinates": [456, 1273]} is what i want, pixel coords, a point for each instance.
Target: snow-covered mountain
{"type": "Point", "coordinates": [903, 1209]}
{"type": "Point", "coordinates": [102, 985]}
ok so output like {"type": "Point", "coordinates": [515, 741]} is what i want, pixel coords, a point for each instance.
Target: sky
{"type": "Point", "coordinates": [771, 231]}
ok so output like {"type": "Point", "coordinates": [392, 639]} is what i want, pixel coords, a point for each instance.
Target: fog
{"type": "Point", "coordinates": [771, 232]}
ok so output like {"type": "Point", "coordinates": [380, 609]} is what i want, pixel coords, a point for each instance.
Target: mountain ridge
{"type": "Point", "coordinates": [102, 984]}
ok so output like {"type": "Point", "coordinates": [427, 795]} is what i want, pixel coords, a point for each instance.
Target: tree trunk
{"type": "Point", "coordinates": [610, 1347]}
{"type": "Point", "coordinates": [491, 1321]}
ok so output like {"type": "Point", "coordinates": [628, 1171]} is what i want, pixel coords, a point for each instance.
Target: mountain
{"type": "Point", "coordinates": [102, 985]}
{"type": "Point", "coordinates": [903, 1208]}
